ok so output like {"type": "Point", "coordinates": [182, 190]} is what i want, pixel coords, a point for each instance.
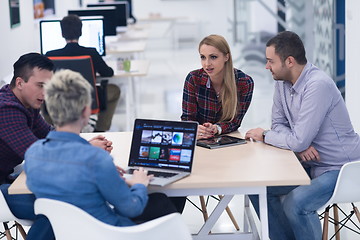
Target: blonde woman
{"type": "Point", "coordinates": [217, 95]}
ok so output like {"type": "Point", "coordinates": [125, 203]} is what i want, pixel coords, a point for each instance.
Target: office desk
{"type": "Point", "coordinates": [132, 48]}
{"type": "Point", "coordinates": [243, 169]}
{"type": "Point", "coordinates": [132, 34]}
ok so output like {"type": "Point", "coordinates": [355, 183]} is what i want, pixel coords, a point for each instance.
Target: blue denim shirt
{"type": "Point", "coordinates": [312, 112]}
{"type": "Point", "coordinates": [65, 167]}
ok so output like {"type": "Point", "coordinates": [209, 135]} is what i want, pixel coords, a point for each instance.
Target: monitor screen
{"type": "Point", "coordinates": [109, 14]}
{"type": "Point", "coordinates": [122, 11]}
{"type": "Point", "coordinates": [92, 35]}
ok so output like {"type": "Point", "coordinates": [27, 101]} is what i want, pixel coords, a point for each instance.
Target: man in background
{"type": "Point", "coordinates": [71, 28]}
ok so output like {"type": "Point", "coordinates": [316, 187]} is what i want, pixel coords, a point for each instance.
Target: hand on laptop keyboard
{"type": "Point", "coordinates": [139, 176]}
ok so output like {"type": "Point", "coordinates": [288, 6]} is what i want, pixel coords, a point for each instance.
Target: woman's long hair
{"type": "Point", "coordinates": [228, 93]}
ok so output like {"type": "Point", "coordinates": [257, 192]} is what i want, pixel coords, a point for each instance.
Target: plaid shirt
{"type": "Point", "coordinates": [19, 128]}
{"type": "Point", "coordinates": [201, 104]}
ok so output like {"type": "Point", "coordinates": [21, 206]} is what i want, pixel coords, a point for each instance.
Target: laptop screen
{"type": "Point", "coordinates": [163, 144]}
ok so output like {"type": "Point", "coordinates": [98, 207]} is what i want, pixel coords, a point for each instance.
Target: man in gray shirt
{"type": "Point", "coordinates": [309, 117]}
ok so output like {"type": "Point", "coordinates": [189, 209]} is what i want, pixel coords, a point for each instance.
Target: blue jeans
{"type": "Point", "coordinates": [292, 210]}
{"type": "Point", "coordinates": [22, 206]}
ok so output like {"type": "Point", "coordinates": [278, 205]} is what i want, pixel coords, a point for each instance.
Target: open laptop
{"type": "Point", "coordinates": [163, 148]}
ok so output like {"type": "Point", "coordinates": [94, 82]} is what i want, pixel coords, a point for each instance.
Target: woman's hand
{"type": "Point", "coordinates": [207, 130]}
{"type": "Point", "coordinates": [139, 176]}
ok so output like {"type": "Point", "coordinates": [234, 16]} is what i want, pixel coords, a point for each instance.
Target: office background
{"type": "Point", "coordinates": [169, 64]}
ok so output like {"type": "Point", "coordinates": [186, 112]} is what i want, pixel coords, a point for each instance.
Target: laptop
{"type": "Point", "coordinates": [164, 148]}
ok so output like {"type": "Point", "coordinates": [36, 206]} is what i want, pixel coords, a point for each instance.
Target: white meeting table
{"type": "Point", "coordinates": [242, 169]}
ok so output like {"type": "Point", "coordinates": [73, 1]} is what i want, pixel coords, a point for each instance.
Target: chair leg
{"type": "Point", "coordinates": [336, 221]}
{"type": "Point", "coordinates": [233, 220]}
{"type": "Point", "coordinates": [203, 208]}
{"type": "Point", "coordinates": [356, 211]}
{"type": "Point", "coordinates": [326, 224]}
{"type": "Point", "coordinates": [7, 231]}
{"type": "Point", "coordinates": [21, 230]}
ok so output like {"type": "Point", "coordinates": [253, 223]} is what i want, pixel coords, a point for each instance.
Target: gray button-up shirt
{"type": "Point", "coordinates": [312, 112]}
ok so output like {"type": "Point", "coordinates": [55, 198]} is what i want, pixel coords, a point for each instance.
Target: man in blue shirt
{"type": "Point", "coordinates": [66, 167]}
{"type": "Point", "coordinates": [309, 117]}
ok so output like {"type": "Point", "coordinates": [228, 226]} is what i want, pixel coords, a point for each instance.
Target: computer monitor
{"type": "Point", "coordinates": [109, 14]}
{"type": "Point", "coordinates": [92, 34]}
{"type": "Point", "coordinates": [130, 7]}
{"type": "Point", "coordinates": [122, 12]}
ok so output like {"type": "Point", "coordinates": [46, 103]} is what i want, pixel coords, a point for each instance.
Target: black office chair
{"type": "Point", "coordinates": [84, 65]}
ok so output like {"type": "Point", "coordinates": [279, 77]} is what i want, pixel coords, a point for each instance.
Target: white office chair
{"type": "Point", "coordinates": [6, 216]}
{"type": "Point", "coordinates": [347, 190]}
{"type": "Point", "coordinates": [72, 223]}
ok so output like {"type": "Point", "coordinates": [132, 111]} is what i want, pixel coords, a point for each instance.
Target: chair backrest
{"type": "Point", "coordinates": [6, 215]}
{"type": "Point", "coordinates": [83, 65]}
{"type": "Point", "coordinates": [70, 222]}
{"type": "Point", "coordinates": [347, 187]}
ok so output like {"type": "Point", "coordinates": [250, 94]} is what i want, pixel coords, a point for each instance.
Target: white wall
{"type": "Point", "coordinates": [352, 52]}
{"type": "Point", "coordinates": [25, 37]}
{"type": "Point", "coordinates": [18, 40]}
{"type": "Point", "coordinates": [213, 14]}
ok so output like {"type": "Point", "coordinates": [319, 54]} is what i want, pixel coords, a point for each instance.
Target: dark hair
{"type": "Point", "coordinates": [288, 44]}
{"type": "Point", "coordinates": [24, 66]}
{"type": "Point", "coordinates": [71, 27]}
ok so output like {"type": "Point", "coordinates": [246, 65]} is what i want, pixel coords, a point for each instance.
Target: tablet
{"type": "Point", "coordinates": [220, 141]}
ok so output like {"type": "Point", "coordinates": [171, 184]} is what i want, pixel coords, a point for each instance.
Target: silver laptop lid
{"type": "Point", "coordinates": [163, 144]}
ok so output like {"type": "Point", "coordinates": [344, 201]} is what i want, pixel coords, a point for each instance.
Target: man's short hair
{"type": "Point", "coordinates": [25, 65]}
{"type": "Point", "coordinates": [288, 44]}
{"type": "Point", "coordinates": [66, 95]}
{"type": "Point", "coordinates": [71, 26]}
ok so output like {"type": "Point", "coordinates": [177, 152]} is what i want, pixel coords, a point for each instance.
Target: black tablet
{"type": "Point", "coordinates": [220, 141]}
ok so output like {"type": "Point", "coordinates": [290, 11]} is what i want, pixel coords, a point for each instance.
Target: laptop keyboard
{"type": "Point", "coordinates": [156, 174]}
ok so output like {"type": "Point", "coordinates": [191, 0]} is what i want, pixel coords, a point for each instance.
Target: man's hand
{"type": "Point", "coordinates": [309, 154]}
{"type": "Point", "coordinates": [255, 134]}
{"type": "Point", "coordinates": [101, 142]}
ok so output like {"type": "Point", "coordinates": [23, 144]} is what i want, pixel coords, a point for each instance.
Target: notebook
{"type": "Point", "coordinates": [163, 148]}
{"type": "Point", "coordinates": [220, 141]}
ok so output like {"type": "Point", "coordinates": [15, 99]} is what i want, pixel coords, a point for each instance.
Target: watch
{"type": "Point", "coordinates": [219, 130]}
{"type": "Point", "coordinates": [264, 133]}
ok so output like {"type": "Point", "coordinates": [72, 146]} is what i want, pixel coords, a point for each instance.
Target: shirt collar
{"type": "Point", "coordinates": [65, 136]}
{"type": "Point", "coordinates": [300, 82]}
{"type": "Point", "coordinates": [204, 78]}
{"type": "Point", "coordinates": [208, 83]}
